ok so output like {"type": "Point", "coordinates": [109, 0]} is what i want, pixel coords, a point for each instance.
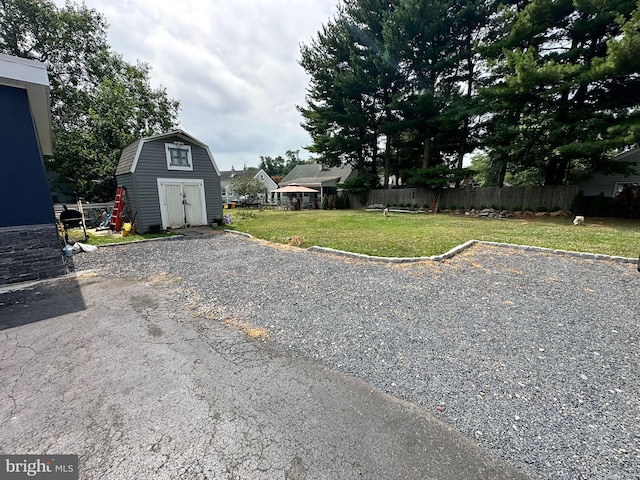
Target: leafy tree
{"type": "Point", "coordinates": [273, 166]}
{"type": "Point", "coordinates": [99, 102]}
{"type": "Point", "coordinates": [279, 166]}
{"type": "Point", "coordinates": [246, 185]}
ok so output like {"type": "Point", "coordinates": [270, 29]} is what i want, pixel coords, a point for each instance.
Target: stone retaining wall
{"type": "Point", "coordinates": [30, 252]}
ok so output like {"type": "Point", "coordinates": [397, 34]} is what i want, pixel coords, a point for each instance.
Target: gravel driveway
{"type": "Point", "coordinates": [534, 355]}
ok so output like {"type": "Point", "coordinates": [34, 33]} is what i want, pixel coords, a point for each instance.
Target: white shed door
{"type": "Point", "coordinates": [182, 203]}
{"type": "Point", "coordinates": [193, 204]}
{"type": "Point", "coordinates": [174, 203]}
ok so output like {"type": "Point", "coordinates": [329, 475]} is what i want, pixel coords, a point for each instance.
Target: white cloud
{"type": "Point", "coordinates": [233, 65]}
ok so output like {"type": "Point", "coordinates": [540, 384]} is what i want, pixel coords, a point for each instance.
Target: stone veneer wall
{"type": "Point", "coordinates": [30, 252]}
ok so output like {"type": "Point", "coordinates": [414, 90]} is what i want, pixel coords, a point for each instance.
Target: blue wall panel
{"type": "Point", "coordinates": [24, 192]}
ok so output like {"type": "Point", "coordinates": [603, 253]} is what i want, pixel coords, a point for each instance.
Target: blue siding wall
{"type": "Point", "coordinates": [24, 192]}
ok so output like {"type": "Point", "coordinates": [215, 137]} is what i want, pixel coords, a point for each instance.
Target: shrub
{"type": "Point", "coordinates": [453, 207]}
{"type": "Point", "coordinates": [517, 208]}
{"type": "Point", "coordinates": [541, 208]}
{"type": "Point", "coordinates": [325, 202]}
{"type": "Point", "coordinates": [555, 208]}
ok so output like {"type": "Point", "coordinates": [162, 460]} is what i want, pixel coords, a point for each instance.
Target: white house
{"type": "Point", "coordinates": [226, 184]}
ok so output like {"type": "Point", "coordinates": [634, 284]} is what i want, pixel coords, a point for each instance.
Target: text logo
{"type": "Point", "coordinates": [49, 467]}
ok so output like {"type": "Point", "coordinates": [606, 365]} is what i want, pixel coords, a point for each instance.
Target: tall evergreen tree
{"type": "Point", "coordinates": [564, 102]}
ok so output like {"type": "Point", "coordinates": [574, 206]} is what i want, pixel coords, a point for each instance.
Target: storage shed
{"type": "Point", "coordinates": [171, 181]}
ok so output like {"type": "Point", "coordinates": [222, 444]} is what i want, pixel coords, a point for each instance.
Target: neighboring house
{"type": "Point", "coordinates": [171, 181]}
{"type": "Point", "coordinates": [226, 183]}
{"type": "Point", "coordinates": [611, 185]}
{"type": "Point", "coordinates": [324, 180]}
{"type": "Point", "coordinates": [30, 246]}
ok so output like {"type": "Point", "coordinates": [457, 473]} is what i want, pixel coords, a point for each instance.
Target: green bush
{"type": "Point", "coordinates": [541, 208]}
{"type": "Point", "coordinates": [517, 208]}
{"type": "Point", "coordinates": [325, 202]}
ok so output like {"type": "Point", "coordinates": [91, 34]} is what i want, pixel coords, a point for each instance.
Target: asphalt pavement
{"type": "Point", "coordinates": [140, 385]}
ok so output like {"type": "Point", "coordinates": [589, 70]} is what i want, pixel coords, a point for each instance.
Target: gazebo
{"type": "Point", "coordinates": [296, 193]}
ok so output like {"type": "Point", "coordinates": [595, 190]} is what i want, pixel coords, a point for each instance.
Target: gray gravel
{"type": "Point", "coordinates": [534, 355]}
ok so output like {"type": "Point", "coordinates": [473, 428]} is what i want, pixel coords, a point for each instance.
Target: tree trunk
{"type": "Point", "coordinates": [427, 153]}
{"type": "Point", "coordinates": [387, 160]}
{"type": "Point", "coordinates": [501, 174]}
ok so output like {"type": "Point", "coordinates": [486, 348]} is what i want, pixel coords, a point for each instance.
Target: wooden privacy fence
{"type": "Point", "coordinates": [525, 198]}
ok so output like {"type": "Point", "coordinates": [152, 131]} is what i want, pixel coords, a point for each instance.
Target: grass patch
{"type": "Point", "coordinates": [98, 240]}
{"type": "Point", "coordinates": [248, 329]}
{"type": "Point", "coordinates": [413, 235]}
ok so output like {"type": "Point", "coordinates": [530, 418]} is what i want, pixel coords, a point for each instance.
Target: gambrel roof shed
{"type": "Point", "coordinates": [171, 181]}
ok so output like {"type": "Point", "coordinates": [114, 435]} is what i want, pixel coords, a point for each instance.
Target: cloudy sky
{"type": "Point", "coordinates": [232, 64]}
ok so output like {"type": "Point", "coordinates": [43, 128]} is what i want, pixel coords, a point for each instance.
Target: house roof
{"type": "Point", "coordinates": [32, 76]}
{"type": "Point", "coordinates": [631, 155]}
{"type": "Point", "coordinates": [131, 153]}
{"type": "Point", "coordinates": [229, 174]}
{"type": "Point", "coordinates": [313, 175]}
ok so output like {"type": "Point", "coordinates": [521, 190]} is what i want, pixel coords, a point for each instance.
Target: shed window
{"type": "Point", "coordinates": [178, 156]}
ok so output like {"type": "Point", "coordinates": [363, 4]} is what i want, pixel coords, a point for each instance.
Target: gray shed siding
{"type": "Point", "coordinates": [605, 183]}
{"type": "Point", "coordinates": [130, 208]}
{"type": "Point", "coordinates": [152, 165]}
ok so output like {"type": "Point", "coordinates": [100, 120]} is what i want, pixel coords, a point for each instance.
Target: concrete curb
{"type": "Point", "coordinates": [461, 248]}
{"type": "Point", "coordinates": [434, 258]}
{"type": "Point", "coordinates": [235, 232]}
{"type": "Point", "coordinates": [457, 250]}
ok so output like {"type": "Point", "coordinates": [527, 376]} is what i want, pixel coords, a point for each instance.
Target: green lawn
{"type": "Point", "coordinates": [78, 234]}
{"type": "Point", "coordinates": [412, 235]}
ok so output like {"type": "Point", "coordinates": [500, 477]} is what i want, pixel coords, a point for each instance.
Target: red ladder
{"type": "Point", "coordinates": [116, 213]}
